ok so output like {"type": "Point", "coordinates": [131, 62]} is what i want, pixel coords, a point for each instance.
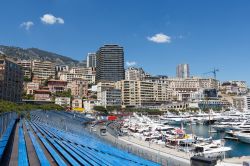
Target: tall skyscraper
{"type": "Point", "coordinates": [110, 63]}
{"type": "Point", "coordinates": [91, 60]}
{"type": "Point", "coordinates": [182, 71]}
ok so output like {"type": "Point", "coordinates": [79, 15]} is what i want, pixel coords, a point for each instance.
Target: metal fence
{"type": "Point", "coordinates": [5, 119]}
{"type": "Point", "coordinates": [156, 157]}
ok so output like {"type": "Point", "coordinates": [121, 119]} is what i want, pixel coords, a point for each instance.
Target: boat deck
{"type": "Point", "coordinates": [232, 138]}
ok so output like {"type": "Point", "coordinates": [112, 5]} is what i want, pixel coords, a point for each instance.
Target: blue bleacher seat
{"type": "Point", "coordinates": [5, 138]}
{"type": "Point", "coordinates": [65, 132]}
{"type": "Point", "coordinates": [22, 151]}
{"type": "Point", "coordinates": [40, 154]}
{"type": "Point", "coordinates": [53, 153]}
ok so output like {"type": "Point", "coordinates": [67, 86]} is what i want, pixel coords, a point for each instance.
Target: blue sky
{"type": "Point", "coordinates": [205, 34]}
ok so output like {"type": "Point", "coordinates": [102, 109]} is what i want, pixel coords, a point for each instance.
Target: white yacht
{"type": "Point", "coordinates": [243, 137]}
{"type": "Point", "coordinates": [230, 124]}
{"type": "Point", "coordinates": [214, 149]}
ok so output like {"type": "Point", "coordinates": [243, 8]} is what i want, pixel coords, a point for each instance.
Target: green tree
{"type": "Point", "coordinates": [101, 109]}
{"type": "Point", "coordinates": [26, 79]}
{"type": "Point", "coordinates": [7, 106]}
{"type": "Point", "coordinates": [113, 108]}
{"type": "Point", "coordinates": [28, 96]}
{"type": "Point", "coordinates": [63, 93]}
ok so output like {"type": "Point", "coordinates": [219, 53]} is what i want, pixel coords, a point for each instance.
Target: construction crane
{"type": "Point", "coordinates": [214, 72]}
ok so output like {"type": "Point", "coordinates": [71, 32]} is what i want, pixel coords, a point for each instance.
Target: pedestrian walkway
{"type": "Point", "coordinates": [179, 157]}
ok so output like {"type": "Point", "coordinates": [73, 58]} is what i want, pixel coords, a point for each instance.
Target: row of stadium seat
{"type": "Point", "coordinates": [55, 146]}
{"type": "Point", "coordinates": [78, 149]}
{"type": "Point", "coordinates": [5, 138]}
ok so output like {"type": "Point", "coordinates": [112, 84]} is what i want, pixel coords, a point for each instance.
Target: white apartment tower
{"type": "Point", "coordinates": [182, 71]}
{"type": "Point", "coordinates": [91, 60]}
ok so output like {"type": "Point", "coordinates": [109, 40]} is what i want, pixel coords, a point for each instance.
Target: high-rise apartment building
{"type": "Point", "coordinates": [142, 93]}
{"type": "Point", "coordinates": [111, 97]}
{"type": "Point", "coordinates": [146, 93]}
{"type": "Point", "coordinates": [91, 60]}
{"type": "Point", "coordinates": [102, 86]}
{"type": "Point", "coordinates": [43, 70]}
{"type": "Point", "coordinates": [162, 92]}
{"type": "Point", "coordinates": [182, 71]}
{"type": "Point", "coordinates": [110, 63]}
{"type": "Point", "coordinates": [11, 80]}
{"type": "Point", "coordinates": [138, 93]}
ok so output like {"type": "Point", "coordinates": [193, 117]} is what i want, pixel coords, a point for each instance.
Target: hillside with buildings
{"type": "Point", "coordinates": [18, 53]}
{"type": "Point", "coordinates": [104, 81]}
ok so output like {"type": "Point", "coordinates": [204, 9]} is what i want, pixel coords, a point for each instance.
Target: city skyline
{"type": "Point", "coordinates": [94, 82]}
{"type": "Point", "coordinates": [157, 38]}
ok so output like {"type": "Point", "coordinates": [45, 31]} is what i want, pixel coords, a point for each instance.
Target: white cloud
{"type": "Point", "coordinates": [130, 63]}
{"type": "Point", "coordinates": [50, 19]}
{"type": "Point", "coordinates": [160, 38]}
{"type": "Point", "coordinates": [27, 25]}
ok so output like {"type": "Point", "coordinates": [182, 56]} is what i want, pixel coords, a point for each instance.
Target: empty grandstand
{"type": "Point", "coordinates": [56, 138]}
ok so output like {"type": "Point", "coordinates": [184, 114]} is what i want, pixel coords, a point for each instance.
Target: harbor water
{"type": "Point", "coordinates": [238, 148]}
